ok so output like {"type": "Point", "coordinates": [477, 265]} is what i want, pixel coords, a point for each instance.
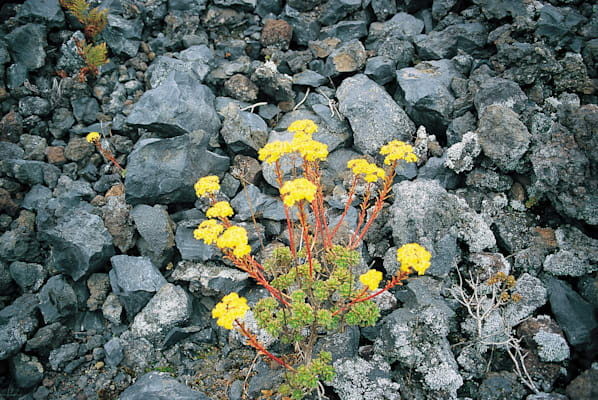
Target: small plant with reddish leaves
{"type": "Point", "coordinates": [313, 284]}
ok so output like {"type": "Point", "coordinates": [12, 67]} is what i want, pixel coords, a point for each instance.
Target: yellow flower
{"type": "Point", "coordinates": [397, 150]}
{"type": "Point", "coordinates": [206, 185]}
{"type": "Point", "coordinates": [297, 190]}
{"type": "Point", "coordinates": [231, 307]}
{"type": "Point", "coordinates": [371, 279]}
{"type": "Point", "coordinates": [303, 125]}
{"type": "Point", "coordinates": [371, 171]}
{"type": "Point", "coordinates": [208, 231]}
{"type": "Point", "coordinates": [309, 149]}
{"type": "Point", "coordinates": [413, 256]}
{"type": "Point", "coordinates": [93, 137]}
{"type": "Point", "coordinates": [273, 151]}
{"type": "Point", "coordinates": [220, 210]}
{"type": "Point", "coordinates": [232, 237]}
{"type": "Point", "coordinates": [242, 250]}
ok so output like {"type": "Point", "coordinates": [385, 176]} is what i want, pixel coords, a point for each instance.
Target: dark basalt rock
{"type": "Point", "coordinates": [160, 386]}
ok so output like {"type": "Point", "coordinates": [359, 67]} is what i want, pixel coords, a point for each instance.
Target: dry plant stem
{"type": "Point", "coordinates": [251, 107]}
{"type": "Point", "coordinates": [107, 154]}
{"type": "Point", "coordinates": [302, 100]}
{"type": "Point", "coordinates": [253, 342]}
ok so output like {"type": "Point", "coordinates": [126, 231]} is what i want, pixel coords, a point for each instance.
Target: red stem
{"type": "Point", "coordinates": [351, 193]}
{"type": "Point", "coordinates": [305, 236]}
{"type": "Point", "coordinates": [258, 346]}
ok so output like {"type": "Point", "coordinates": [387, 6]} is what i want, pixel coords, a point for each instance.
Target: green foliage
{"type": "Point", "coordinates": [93, 55]}
{"type": "Point", "coordinates": [94, 20]}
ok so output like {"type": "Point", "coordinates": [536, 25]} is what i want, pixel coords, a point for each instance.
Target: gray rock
{"type": "Point", "coordinates": [305, 26]}
{"type": "Point", "coordinates": [241, 88]}
{"type": "Point", "coordinates": [213, 279]}
{"type": "Point", "coordinates": [574, 315]}
{"type": "Point", "coordinates": [264, 206]}
{"type": "Point", "coordinates": [243, 132]}
{"type": "Point", "coordinates": [469, 37]}
{"type": "Point", "coordinates": [98, 285]}
{"type": "Point", "coordinates": [85, 109]}
{"type": "Point", "coordinates": [380, 69]}
{"type": "Point", "coordinates": [47, 338]}
{"type": "Point", "coordinates": [32, 105]}
{"type": "Point", "coordinates": [29, 277]}
{"type": "Point", "coordinates": [123, 36]}
{"type": "Point", "coordinates": [501, 92]}
{"type": "Point", "coordinates": [11, 151]}
{"type": "Point", "coordinates": [134, 280]}
{"type": "Point", "coordinates": [34, 146]}
{"type": "Point", "coordinates": [534, 296]}
{"type": "Point", "coordinates": [181, 104]}
{"type": "Point", "coordinates": [164, 171]}
{"type": "Point", "coordinates": [435, 169]}
{"type": "Point", "coordinates": [332, 131]}
{"type": "Point", "coordinates": [160, 386]}
{"type": "Point", "coordinates": [573, 75]}
{"type": "Point", "coordinates": [345, 31]}
{"type": "Point", "coordinates": [114, 352]}
{"type": "Point", "coordinates": [163, 66]}
{"type": "Point", "coordinates": [487, 179]}
{"type": "Point", "coordinates": [384, 8]}
{"type": "Point", "coordinates": [303, 5]}
{"type": "Point", "coordinates": [577, 253]}
{"type": "Point", "coordinates": [503, 137]}
{"type": "Point", "coordinates": [155, 226]}
{"type": "Point", "coordinates": [348, 57]}
{"type": "Point", "coordinates": [527, 63]}
{"type": "Point", "coordinates": [500, 385]}
{"type": "Point", "coordinates": [6, 281]}
{"type": "Point", "coordinates": [374, 116]}
{"type": "Point", "coordinates": [309, 78]}
{"type": "Point", "coordinates": [17, 322]}
{"type": "Point", "coordinates": [423, 206]}
{"type": "Point", "coordinates": [19, 244]}
{"type": "Point", "coordinates": [502, 9]}
{"type": "Point", "coordinates": [404, 25]}
{"type": "Point", "coordinates": [358, 379]}
{"type": "Point", "coordinates": [558, 26]}
{"type": "Point", "coordinates": [57, 299]}
{"type": "Point", "coordinates": [171, 306]}
{"type": "Point", "coordinates": [26, 370]}
{"type": "Point", "coordinates": [112, 309]}
{"type": "Point", "coordinates": [335, 10]}
{"type": "Point", "coordinates": [424, 91]}
{"type": "Point", "coordinates": [460, 157]}
{"type": "Point", "coordinates": [42, 11]}
{"type": "Point", "coordinates": [190, 248]}
{"type": "Point", "coordinates": [273, 83]}
{"type": "Point", "coordinates": [440, 8]}
{"type": "Point", "coordinates": [61, 356]}
{"type": "Point", "coordinates": [31, 172]}
{"type": "Point", "coordinates": [80, 244]}
{"type": "Point", "coordinates": [26, 45]}
{"type": "Point", "coordinates": [116, 213]}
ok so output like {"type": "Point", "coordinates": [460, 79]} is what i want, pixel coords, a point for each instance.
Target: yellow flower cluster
{"type": "Point", "coordinates": [272, 151]}
{"type": "Point", "coordinates": [309, 149]}
{"type": "Point", "coordinates": [235, 238]}
{"type": "Point", "coordinates": [229, 309]}
{"type": "Point", "coordinates": [303, 125]}
{"type": "Point", "coordinates": [297, 190]}
{"type": "Point", "coordinates": [207, 185]}
{"type": "Point", "coordinates": [413, 256]}
{"type": "Point", "coordinates": [208, 231]}
{"type": "Point", "coordinates": [371, 279]}
{"type": "Point", "coordinates": [93, 137]}
{"type": "Point", "coordinates": [397, 150]}
{"type": "Point", "coordinates": [220, 210]}
{"type": "Point", "coordinates": [371, 171]}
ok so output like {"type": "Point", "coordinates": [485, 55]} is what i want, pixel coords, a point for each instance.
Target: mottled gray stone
{"type": "Point", "coordinates": [17, 322]}
{"type": "Point", "coordinates": [29, 277]}
{"type": "Point", "coordinates": [358, 379]}
{"type": "Point", "coordinates": [134, 280]}
{"type": "Point", "coordinates": [33, 105]}
{"type": "Point", "coordinates": [57, 299]}
{"type": "Point", "coordinates": [181, 104]}
{"type": "Point", "coordinates": [213, 279]}
{"type": "Point", "coordinates": [243, 132]}
{"type": "Point", "coordinates": [160, 386]}
{"type": "Point", "coordinates": [31, 172]}
{"type": "Point", "coordinates": [26, 370]}
{"type": "Point", "coordinates": [26, 45]}
{"type": "Point", "coordinates": [162, 67]}
{"type": "Point", "coordinates": [503, 137]}
{"type": "Point", "coordinates": [348, 57]}
{"type": "Point", "coordinates": [155, 226]}
{"type": "Point", "coordinates": [123, 36]}
{"type": "Point", "coordinates": [264, 206]}
{"type": "Point", "coordinates": [171, 306]}
{"type": "Point", "coordinates": [577, 254]}
{"type": "Point", "coordinates": [470, 37]}
{"type": "Point", "coordinates": [501, 92]}
{"type": "Point", "coordinates": [62, 355]}
{"type": "Point", "coordinates": [48, 12]}
{"type": "Point", "coordinates": [165, 170]}
{"type": "Point", "coordinates": [374, 116]}
{"type": "Point", "coordinates": [380, 69]}
{"type": "Point", "coordinates": [114, 352]}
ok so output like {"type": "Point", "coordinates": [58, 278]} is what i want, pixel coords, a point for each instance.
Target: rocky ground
{"type": "Point", "coordinates": [105, 293]}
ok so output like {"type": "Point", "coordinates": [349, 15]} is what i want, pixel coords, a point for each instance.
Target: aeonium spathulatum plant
{"type": "Point", "coordinates": [313, 288]}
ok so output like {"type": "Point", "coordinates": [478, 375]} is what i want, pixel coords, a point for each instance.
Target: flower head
{"type": "Point", "coordinates": [297, 190]}
{"type": "Point", "coordinates": [207, 185]}
{"type": "Point", "coordinates": [234, 238]}
{"type": "Point", "coordinates": [413, 256]}
{"type": "Point", "coordinates": [272, 151]}
{"type": "Point", "coordinates": [371, 279]}
{"type": "Point", "coordinates": [220, 210]}
{"type": "Point", "coordinates": [208, 231]}
{"type": "Point", "coordinates": [371, 171]}
{"type": "Point", "coordinates": [230, 308]}
{"type": "Point", "coordinates": [309, 149]}
{"type": "Point", "coordinates": [303, 125]}
{"type": "Point", "coordinates": [93, 137]}
{"type": "Point", "coordinates": [397, 150]}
